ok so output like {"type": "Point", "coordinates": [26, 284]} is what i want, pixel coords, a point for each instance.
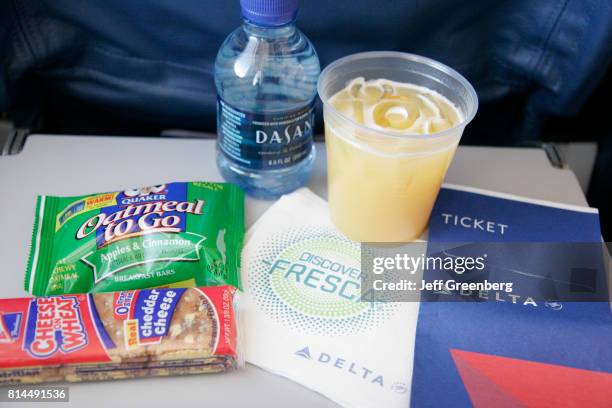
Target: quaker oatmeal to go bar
{"type": "Point", "coordinates": [177, 234]}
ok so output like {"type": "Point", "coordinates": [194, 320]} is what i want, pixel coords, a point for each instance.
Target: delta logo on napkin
{"type": "Point", "coordinates": [302, 311]}
{"type": "Point", "coordinates": [509, 352]}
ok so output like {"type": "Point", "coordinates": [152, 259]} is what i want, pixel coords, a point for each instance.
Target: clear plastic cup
{"type": "Point", "coordinates": [381, 185]}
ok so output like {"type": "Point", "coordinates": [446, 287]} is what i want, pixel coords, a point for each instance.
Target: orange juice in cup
{"type": "Point", "coordinates": [392, 124]}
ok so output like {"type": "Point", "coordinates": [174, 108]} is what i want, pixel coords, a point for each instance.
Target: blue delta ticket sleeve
{"type": "Point", "coordinates": [512, 350]}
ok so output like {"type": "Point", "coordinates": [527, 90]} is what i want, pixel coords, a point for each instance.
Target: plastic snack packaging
{"type": "Point", "coordinates": [128, 334]}
{"type": "Point", "coordinates": [177, 234]}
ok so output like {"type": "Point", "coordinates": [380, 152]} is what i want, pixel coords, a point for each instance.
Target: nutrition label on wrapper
{"type": "Point", "coordinates": [265, 141]}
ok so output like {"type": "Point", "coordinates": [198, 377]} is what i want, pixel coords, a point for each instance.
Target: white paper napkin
{"type": "Point", "coordinates": [303, 318]}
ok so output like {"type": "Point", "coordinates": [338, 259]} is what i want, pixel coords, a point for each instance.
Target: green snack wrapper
{"type": "Point", "coordinates": [173, 235]}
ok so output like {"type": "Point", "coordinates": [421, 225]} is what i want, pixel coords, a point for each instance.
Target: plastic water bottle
{"type": "Point", "coordinates": [266, 75]}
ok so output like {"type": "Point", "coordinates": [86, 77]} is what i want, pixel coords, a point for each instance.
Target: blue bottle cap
{"type": "Point", "coordinates": [269, 12]}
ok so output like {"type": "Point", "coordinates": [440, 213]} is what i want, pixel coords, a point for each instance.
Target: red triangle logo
{"type": "Point", "coordinates": [502, 382]}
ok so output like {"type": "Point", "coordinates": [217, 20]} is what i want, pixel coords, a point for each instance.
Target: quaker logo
{"type": "Point", "coordinates": [161, 208]}
{"type": "Point", "coordinates": [54, 325]}
{"type": "Point", "coordinates": [143, 195]}
{"type": "Point", "coordinates": [345, 366]}
{"type": "Point", "coordinates": [126, 223]}
{"type": "Point", "coordinates": [10, 326]}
